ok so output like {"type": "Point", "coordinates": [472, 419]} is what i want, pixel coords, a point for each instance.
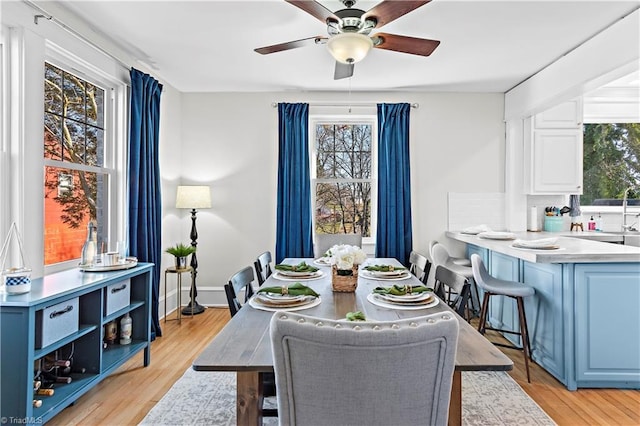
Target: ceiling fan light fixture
{"type": "Point", "coordinates": [349, 48]}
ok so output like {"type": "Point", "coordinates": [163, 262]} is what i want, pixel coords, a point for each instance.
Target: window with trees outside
{"type": "Point", "coordinates": [77, 169]}
{"type": "Point", "coordinates": [610, 164]}
{"type": "Point", "coordinates": [343, 176]}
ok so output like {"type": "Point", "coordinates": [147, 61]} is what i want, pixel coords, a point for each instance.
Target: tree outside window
{"type": "Point", "coordinates": [610, 163]}
{"type": "Point", "coordinates": [75, 184]}
{"type": "Point", "coordinates": [343, 178]}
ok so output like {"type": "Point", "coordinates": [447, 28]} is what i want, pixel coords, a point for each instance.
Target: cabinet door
{"type": "Point", "coordinates": [567, 115]}
{"type": "Point", "coordinates": [544, 315]}
{"type": "Point", "coordinates": [556, 162]}
{"type": "Point", "coordinates": [607, 325]}
{"type": "Point", "coordinates": [503, 311]}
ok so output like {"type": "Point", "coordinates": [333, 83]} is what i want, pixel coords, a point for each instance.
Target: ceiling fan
{"type": "Point", "coordinates": [349, 31]}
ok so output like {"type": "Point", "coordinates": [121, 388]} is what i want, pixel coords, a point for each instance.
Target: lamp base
{"type": "Point", "coordinates": [195, 310]}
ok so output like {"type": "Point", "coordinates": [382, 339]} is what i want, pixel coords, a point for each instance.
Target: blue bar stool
{"type": "Point", "coordinates": [495, 287]}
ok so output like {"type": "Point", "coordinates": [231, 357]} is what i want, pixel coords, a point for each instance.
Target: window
{"type": "Point", "coordinates": [610, 161]}
{"type": "Point", "coordinates": [343, 175]}
{"type": "Point", "coordinates": [78, 171]}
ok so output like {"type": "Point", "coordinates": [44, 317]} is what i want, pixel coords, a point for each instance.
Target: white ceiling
{"type": "Point", "coordinates": [486, 46]}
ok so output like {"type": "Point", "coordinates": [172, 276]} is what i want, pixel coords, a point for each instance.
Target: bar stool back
{"type": "Point", "coordinates": [441, 256]}
{"type": "Point", "coordinates": [493, 287]}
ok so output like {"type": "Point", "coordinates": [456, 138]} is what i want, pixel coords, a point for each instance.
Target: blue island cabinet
{"type": "Point", "coordinates": [62, 320]}
{"type": "Point", "coordinates": [584, 319]}
{"type": "Point", "coordinates": [607, 325]}
{"type": "Point", "coordinates": [545, 311]}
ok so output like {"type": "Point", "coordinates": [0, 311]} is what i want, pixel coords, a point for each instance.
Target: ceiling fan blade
{"type": "Point", "coordinates": [314, 9]}
{"type": "Point", "coordinates": [390, 10]}
{"type": "Point", "coordinates": [291, 45]}
{"type": "Point", "coordinates": [342, 71]}
{"type": "Point", "coordinates": [412, 45]}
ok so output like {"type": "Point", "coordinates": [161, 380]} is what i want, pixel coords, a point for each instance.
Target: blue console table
{"type": "Point", "coordinates": [87, 293]}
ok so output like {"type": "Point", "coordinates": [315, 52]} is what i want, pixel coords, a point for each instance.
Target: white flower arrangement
{"type": "Point", "coordinates": [344, 256]}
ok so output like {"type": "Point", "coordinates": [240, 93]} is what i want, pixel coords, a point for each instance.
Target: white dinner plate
{"type": "Point", "coordinates": [369, 275]}
{"type": "Point", "coordinates": [547, 248]}
{"type": "Point", "coordinates": [281, 298]}
{"type": "Point", "coordinates": [372, 298]}
{"type": "Point", "coordinates": [417, 297]}
{"type": "Point", "coordinates": [297, 273]}
{"type": "Point", "coordinates": [314, 276]}
{"type": "Point", "coordinates": [322, 261]}
{"type": "Point", "coordinates": [255, 303]}
{"type": "Point", "coordinates": [389, 274]}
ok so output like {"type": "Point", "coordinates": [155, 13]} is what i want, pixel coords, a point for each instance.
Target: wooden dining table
{"type": "Point", "coordinates": [244, 345]}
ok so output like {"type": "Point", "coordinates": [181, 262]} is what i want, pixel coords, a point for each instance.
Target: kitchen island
{"type": "Point", "coordinates": [584, 320]}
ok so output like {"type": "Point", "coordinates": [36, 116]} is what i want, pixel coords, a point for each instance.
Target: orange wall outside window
{"type": "Point", "coordinates": [62, 242]}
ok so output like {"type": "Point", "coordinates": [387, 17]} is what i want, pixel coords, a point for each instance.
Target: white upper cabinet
{"type": "Point", "coordinates": [567, 115]}
{"type": "Point", "coordinates": [553, 150]}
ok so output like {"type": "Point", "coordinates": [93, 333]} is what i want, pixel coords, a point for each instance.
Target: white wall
{"type": "Point", "coordinates": [173, 224]}
{"type": "Point", "coordinates": [230, 142]}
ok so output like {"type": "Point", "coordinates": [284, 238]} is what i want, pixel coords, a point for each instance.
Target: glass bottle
{"type": "Point", "coordinates": [110, 332]}
{"type": "Point", "coordinates": [90, 247]}
{"type": "Point", "coordinates": [125, 329]}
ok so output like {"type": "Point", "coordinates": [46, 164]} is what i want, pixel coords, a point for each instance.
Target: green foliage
{"type": "Point", "coordinates": [181, 250]}
{"type": "Point", "coordinates": [610, 161]}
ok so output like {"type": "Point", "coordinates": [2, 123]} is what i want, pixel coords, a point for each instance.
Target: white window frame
{"type": "Point", "coordinates": [115, 144]}
{"type": "Point", "coordinates": [5, 172]}
{"type": "Point", "coordinates": [371, 119]}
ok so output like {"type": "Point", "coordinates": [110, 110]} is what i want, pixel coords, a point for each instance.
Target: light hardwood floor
{"type": "Point", "coordinates": [125, 397]}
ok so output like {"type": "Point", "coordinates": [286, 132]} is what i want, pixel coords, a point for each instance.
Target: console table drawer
{"type": "Point", "coordinates": [118, 297]}
{"type": "Point", "coordinates": [56, 322]}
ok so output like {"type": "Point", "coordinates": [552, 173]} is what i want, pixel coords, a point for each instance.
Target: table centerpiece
{"type": "Point", "coordinates": [344, 260]}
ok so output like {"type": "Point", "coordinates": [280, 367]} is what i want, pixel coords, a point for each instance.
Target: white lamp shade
{"type": "Point", "coordinates": [193, 197]}
{"type": "Point", "coordinates": [349, 48]}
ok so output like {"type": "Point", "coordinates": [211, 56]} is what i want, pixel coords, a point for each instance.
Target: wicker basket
{"type": "Point", "coordinates": [344, 283]}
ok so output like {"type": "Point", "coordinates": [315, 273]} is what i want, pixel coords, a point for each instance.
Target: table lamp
{"type": "Point", "coordinates": [193, 197]}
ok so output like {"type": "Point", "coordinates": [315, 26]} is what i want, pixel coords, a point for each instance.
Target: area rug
{"type": "Point", "coordinates": [209, 398]}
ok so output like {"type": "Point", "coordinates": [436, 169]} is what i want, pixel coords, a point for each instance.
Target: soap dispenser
{"type": "Point", "coordinates": [591, 225]}
{"type": "Point", "coordinates": [599, 223]}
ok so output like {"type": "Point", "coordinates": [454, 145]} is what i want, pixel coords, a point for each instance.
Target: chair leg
{"type": "Point", "coordinates": [474, 286]}
{"type": "Point", "coordinates": [483, 312]}
{"type": "Point", "coordinates": [524, 332]}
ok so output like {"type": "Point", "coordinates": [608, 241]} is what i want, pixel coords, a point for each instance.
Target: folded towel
{"type": "Point", "coordinates": [401, 290]}
{"type": "Point", "coordinates": [542, 242]}
{"type": "Point", "coordinates": [296, 289]}
{"type": "Point", "coordinates": [384, 268]}
{"type": "Point", "coordinates": [300, 267]}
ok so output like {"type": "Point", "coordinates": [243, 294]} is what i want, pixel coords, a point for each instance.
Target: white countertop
{"type": "Point", "coordinates": [572, 250]}
{"type": "Point", "coordinates": [609, 237]}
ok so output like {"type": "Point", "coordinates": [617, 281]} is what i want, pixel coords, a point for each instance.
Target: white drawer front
{"type": "Point", "coordinates": [118, 296]}
{"type": "Point", "coordinates": [56, 322]}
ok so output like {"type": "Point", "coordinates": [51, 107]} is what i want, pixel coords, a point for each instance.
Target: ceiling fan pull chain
{"type": "Point", "coordinates": [349, 98]}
